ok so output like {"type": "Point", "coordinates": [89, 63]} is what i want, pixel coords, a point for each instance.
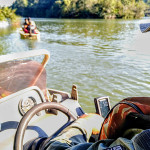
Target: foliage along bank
{"type": "Point", "coordinates": [80, 8]}
{"type": "Point", "coordinates": [7, 14]}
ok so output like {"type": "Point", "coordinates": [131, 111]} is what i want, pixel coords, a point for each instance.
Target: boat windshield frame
{"type": "Point", "coordinates": [19, 72]}
{"type": "Point", "coordinates": [26, 54]}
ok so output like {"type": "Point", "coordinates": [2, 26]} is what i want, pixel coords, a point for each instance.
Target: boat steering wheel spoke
{"type": "Point", "coordinates": [19, 136]}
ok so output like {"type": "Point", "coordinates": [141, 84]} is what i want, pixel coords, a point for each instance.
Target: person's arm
{"type": "Point", "coordinates": [77, 134]}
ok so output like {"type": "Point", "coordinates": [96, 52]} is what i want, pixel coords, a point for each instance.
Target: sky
{"type": "Point", "coordinates": [6, 2]}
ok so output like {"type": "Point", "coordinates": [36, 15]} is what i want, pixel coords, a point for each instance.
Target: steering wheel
{"type": "Point", "coordinates": [18, 142]}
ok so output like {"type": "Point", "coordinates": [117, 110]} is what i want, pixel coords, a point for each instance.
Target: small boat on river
{"type": "Point", "coordinates": [145, 27]}
{"type": "Point", "coordinates": [34, 36]}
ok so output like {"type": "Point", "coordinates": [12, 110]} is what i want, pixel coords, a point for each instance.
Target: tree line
{"type": "Point", "coordinates": [81, 8]}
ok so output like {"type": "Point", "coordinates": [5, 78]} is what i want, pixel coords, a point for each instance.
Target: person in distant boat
{"type": "Point", "coordinates": [31, 26]}
{"type": "Point", "coordinates": [25, 26]}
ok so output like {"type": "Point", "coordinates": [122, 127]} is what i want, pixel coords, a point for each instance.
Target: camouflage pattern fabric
{"type": "Point", "coordinates": [115, 123]}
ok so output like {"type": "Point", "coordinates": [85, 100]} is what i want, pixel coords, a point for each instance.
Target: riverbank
{"type": "Point", "coordinates": [7, 17]}
{"type": "Point", "coordinates": [4, 24]}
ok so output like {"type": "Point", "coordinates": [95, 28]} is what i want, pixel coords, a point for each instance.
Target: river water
{"type": "Point", "coordinates": [102, 57]}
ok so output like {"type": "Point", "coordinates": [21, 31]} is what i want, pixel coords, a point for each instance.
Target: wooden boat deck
{"type": "Point", "coordinates": [28, 36]}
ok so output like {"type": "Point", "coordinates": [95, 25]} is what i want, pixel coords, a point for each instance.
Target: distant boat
{"type": "Point", "coordinates": [34, 36]}
{"type": "Point", "coordinates": [145, 27]}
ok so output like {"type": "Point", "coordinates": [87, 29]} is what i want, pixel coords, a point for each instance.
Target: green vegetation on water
{"type": "Point", "coordinates": [81, 8]}
{"type": "Point", "coordinates": [7, 14]}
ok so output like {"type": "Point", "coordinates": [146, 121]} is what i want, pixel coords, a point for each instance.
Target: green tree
{"type": "Point", "coordinates": [140, 7]}
{"type": "Point", "coordinates": [2, 17]}
{"type": "Point", "coordinates": [20, 3]}
{"type": "Point", "coordinates": [31, 3]}
{"type": "Point", "coordinates": [81, 8]}
{"type": "Point", "coordinates": [7, 13]}
{"type": "Point", "coordinates": [65, 7]}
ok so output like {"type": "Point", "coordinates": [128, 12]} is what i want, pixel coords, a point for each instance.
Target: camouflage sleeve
{"type": "Point", "coordinates": [75, 135]}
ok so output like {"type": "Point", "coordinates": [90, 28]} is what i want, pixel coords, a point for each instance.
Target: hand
{"type": "Point", "coordinates": [89, 124]}
{"type": "Point", "coordinates": [95, 121]}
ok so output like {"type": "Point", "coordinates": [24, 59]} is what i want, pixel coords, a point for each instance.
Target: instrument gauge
{"type": "Point", "coordinates": [26, 104]}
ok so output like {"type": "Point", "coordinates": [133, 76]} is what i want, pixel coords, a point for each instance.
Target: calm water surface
{"type": "Point", "coordinates": [102, 57]}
